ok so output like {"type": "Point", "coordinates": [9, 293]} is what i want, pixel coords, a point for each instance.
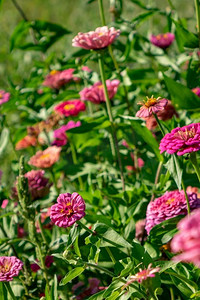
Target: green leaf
{"type": "Point", "coordinates": [4, 139]}
{"type": "Point", "coordinates": [175, 170]}
{"type": "Point", "coordinates": [3, 292]}
{"type": "Point", "coordinates": [185, 38]}
{"type": "Point", "coordinates": [71, 275]}
{"type": "Point", "coordinates": [181, 96]}
{"type": "Point", "coordinates": [54, 292]}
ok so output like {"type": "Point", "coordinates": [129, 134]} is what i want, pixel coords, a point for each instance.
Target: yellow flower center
{"type": "Point", "coordinates": [185, 135]}
{"type": "Point", "coordinates": [1, 96]}
{"type": "Point", "coordinates": [69, 106]}
{"type": "Point", "coordinates": [44, 156]}
{"type": "Point", "coordinates": [165, 36]}
{"type": "Point", "coordinates": [53, 72]}
{"type": "Point", "coordinates": [100, 86]}
{"type": "Point", "coordinates": [150, 101]}
{"type": "Point", "coordinates": [169, 201]}
{"type": "Point", "coordinates": [100, 33]}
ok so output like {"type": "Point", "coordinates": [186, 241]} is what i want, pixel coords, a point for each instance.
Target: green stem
{"type": "Point", "coordinates": [42, 231]}
{"type": "Point", "coordinates": [159, 124]}
{"type": "Point", "coordinates": [171, 4]}
{"type": "Point", "coordinates": [75, 161]}
{"type": "Point", "coordinates": [197, 8]}
{"type": "Point", "coordinates": [193, 159]}
{"type": "Point", "coordinates": [157, 177]}
{"type": "Point", "coordinates": [54, 180]}
{"type": "Point", "coordinates": [172, 293]}
{"type": "Point", "coordinates": [108, 106]}
{"type": "Point", "coordinates": [8, 287]}
{"type": "Point", "coordinates": [103, 21]}
{"type": "Point", "coordinates": [186, 197]}
{"type": "Point", "coordinates": [41, 259]}
{"type": "Point", "coordinates": [110, 254]}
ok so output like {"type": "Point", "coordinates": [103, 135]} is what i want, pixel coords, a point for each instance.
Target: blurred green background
{"type": "Point", "coordinates": [75, 15]}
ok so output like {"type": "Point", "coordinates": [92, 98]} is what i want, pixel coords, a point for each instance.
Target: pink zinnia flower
{"type": "Point", "coordinates": [196, 91]}
{"type": "Point", "coordinates": [85, 292]}
{"type": "Point", "coordinates": [46, 158]}
{"type": "Point", "coordinates": [168, 206]}
{"type": "Point", "coordinates": [69, 209]}
{"type": "Point", "coordinates": [60, 133]}
{"type": "Point", "coordinates": [162, 40]}
{"type": "Point", "coordinates": [143, 275]}
{"type": "Point", "coordinates": [191, 189]}
{"type": "Point", "coordinates": [98, 39]}
{"type": "Point", "coordinates": [26, 142]}
{"type": "Point", "coordinates": [10, 267]}
{"type": "Point", "coordinates": [70, 108]}
{"type": "Point", "coordinates": [187, 240]}
{"type": "Point", "coordinates": [4, 203]}
{"type": "Point", "coordinates": [56, 79]}
{"type": "Point", "coordinates": [86, 69]}
{"type": "Point", "coordinates": [95, 93]}
{"type": "Point", "coordinates": [4, 97]}
{"type": "Point", "coordinates": [151, 106]}
{"type": "Point", "coordinates": [182, 140]}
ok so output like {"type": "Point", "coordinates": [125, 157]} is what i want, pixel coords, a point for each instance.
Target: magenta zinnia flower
{"type": "Point", "coordinates": [10, 267]}
{"type": "Point", "coordinates": [95, 93]}
{"type": "Point", "coordinates": [187, 240]}
{"type": "Point", "coordinates": [182, 140]}
{"type": "Point", "coordinates": [98, 39]}
{"type": "Point", "coordinates": [56, 79]}
{"type": "Point", "coordinates": [196, 91]}
{"type": "Point", "coordinates": [168, 206]}
{"type": "Point", "coordinates": [70, 108]}
{"type": "Point", "coordinates": [4, 97]}
{"type": "Point", "coordinates": [60, 133]}
{"type": "Point", "coordinates": [162, 40]}
{"type": "Point", "coordinates": [46, 158]}
{"type": "Point", "coordinates": [150, 106]}
{"type": "Point", "coordinates": [69, 209]}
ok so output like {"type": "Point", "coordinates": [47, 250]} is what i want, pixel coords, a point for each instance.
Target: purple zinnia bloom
{"type": "Point", "coordinates": [4, 97]}
{"type": "Point", "coordinates": [60, 133]}
{"type": "Point", "coordinates": [69, 209]}
{"type": "Point", "coordinates": [168, 206]}
{"type": "Point", "coordinates": [182, 140]}
{"type": "Point", "coordinates": [10, 267]}
{"type": "Point", "coordinates": [151, 106]}
{"type": "Point", "coordinates": [162, 40]}
{"type": "Point", "coordinates": [187, 240]}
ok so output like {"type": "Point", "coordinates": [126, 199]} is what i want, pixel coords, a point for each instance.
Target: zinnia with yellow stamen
{"type": "Point", "coordinates": [46, 158]}
{"type": "Point", "coordinates": [162, 40]}
{"type": "Point", "coordinates": [70, 108]}
{"type": "Point", "coordinates": [151, 106]}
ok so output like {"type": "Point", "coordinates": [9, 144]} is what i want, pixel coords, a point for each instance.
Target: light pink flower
{"type": "Point", "coordinates": [68, 209]}
{"type": "Point", "coordinates": [4, 97]}
{"type": "Point", "coordinates": [46, 158]}
{"type": "Point", "coordinates": [98, 39]}
{"type": "Point", "coordinates": [60, 133]}
{"type": "Point", "coordinates": [70, 108]}
{"type": "Point", "coordinates": [85, 292]}
{"type": "Point", "coordinates": [143, 275]}
{"type": "Point", "coordinates": [4, 203]}
{"type": "Point", "coordinates": [187, 240]}
{"type": "Point", "coordinates": [10, 267]}
{"type": "Point", "coordinates": [163, 40]}
{"type": "Point", "coordinates": [196, 91]}
{"type": "Point", "coordinates": [26, 142]}
{"type": "Point", "coordinates": [169, 205]}
{"type": "Point", "coordinates": [182, 140]}
{"type": "Point", "coordinates": [95, 93]}
{"type": "Point", "coordinates": [151, 106]}
{"type": "Point", "coordinates": [56, 79]}
{"type": "Point", "coordinates": [86, 69]}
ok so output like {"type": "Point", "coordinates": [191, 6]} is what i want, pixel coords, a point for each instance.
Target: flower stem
{"type": "Point", "coordinates": [41, 231]}
{"type": "Point", "coordinates": [41, 259]}
{"type": "Point", "coordinates": [193, 159]}
{"type": "Point", "coordinates": [197, 8]}
{"type": "Point", "coordinates": [54, 180]}
{"type": "Point", "coordinates": [8, 287]}
{"type": "Point", "coordinates": [103, 21]}
{"type": "Point", "coordinates": [108, 106]}
{"type": "Point", "coordinates": [159, 124]}
{"type": "Point", "coordinates": [157, 177]}
{"type": "Point", "coordinates": [172, 294]}
{"type": "Point", "coordinates": [186, 197]}
{"type": "Point", "coordinates": [75, 161]}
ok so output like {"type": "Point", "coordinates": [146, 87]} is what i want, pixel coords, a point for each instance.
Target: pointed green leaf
{"type": "Point", "coordinates": [71, 275]}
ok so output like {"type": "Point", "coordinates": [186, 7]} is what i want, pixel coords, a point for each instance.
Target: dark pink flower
{"type": "Point", "coordinates": [95, 93]}
{"type": "Point", "coordinates": [56, 79]}
{"type": "Point", "coordinates": [20, 232]}
{"type": "Point", "coordinates": [4, 203]}
{"type": "Point", "coordinates": [10, 267]}
{"type": "Point", "coordinates": [140, 229]}
{"type": "Point", "coordinates": [98, 39]}
{"type": "Point", "coordinates": [187, 240]}
{"type": "Point", "coordinates": [196, 91]}
{"type": "Point", "coordinates": [182, 140]}
{"type": "Point", "coordinates": [26, 142]}
{"type": "Point", "coordinates": [151, 106]}
{"type": "Point", "coordinates": [48, 262]}
{"type": "Point", "coordinates": [163, 40]}
{"type": "Point", "coordinates": [169, 205]}
{"type": "Point", "coordinates": [85, 292]}
{"type": "Point", "coordinates": [46, 158]}
{"type": "Point", "coordinates": [4, 97]}
{"type": "Point", "coordinates": [60, 133]}
{"type": "Point", "coordinates": [70, 108]}
{"type": "Point", "coordinates": [68, 209]}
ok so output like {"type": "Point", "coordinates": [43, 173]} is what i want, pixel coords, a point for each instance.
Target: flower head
{"type": "Point", "coordinates": [196, 91]}
{"type": "Point", "coordinates": [4, 97]}
{"type": "Point", "coordinates": [56, 79]}
{"type": "Point", "coordinates": [98, 39]}
{"type": "Point", "coordinates": [60, 133]}
{"type": "Point", "coordinates": [46, 158]}
{"type": "Point", "coordinates": [4, 203]}
{"type": "Point", "coordinates": [85, 292]}
{"type": "Point", "coordinates": [187, 240]}
{"type": "Point", "coordinates": [68, 209]}
{"type": "Point", "coordinates": [182, 140]}
{"type": "Point", "coordinates": [150, 106]}
{"type": "Point", "coordinates": [10, 267]}
{"type": "Point", "coordinates": [70, 108]}
{"type": "Point", "coordinates": [169, 205]}
{"type": "Point", "coordinates": [163, 40]}
{"type": "Point", "coordinates": [95, 93]}
{"type": "Point", "coordinates": [26, 142]}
